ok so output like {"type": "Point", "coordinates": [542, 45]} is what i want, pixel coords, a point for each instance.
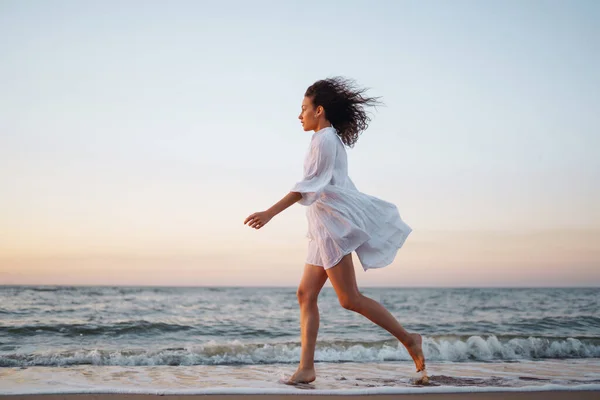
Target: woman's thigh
{"type": "Point", "coordinates": [313, 279]}
{"type": "Point", "coordinates": [343, 278]}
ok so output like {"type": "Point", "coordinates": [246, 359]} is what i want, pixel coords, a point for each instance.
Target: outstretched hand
{"type": "Point", "coordinates": [258, 219]}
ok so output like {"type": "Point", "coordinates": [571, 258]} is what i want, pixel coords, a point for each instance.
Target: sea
{"type": "Point", "coordinates": [206, 340]}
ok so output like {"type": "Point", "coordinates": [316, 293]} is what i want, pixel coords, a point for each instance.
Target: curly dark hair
{"type": "Point", "coordinates": [344, 104]}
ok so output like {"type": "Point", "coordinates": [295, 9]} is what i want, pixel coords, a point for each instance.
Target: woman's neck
{"type": "Point", "coordinates": [322, 125]}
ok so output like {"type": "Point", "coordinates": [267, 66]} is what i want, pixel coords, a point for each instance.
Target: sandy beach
{"type": "Point", "coordinates": [543, 395]}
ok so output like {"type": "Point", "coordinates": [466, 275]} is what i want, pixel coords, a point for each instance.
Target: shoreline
{"type": "Point", "coordinates": [477, 380]}
{"type": "Point", "coordinates": [583, 394]}
{"type": "Point", "coordinates": [424, 392]}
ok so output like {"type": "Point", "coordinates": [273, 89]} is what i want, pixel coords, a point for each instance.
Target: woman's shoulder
{"type": "Point", "coordinates": [324, 135]}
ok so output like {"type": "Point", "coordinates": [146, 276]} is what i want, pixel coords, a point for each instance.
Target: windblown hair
{"type": "Point", "coordinates": [344, 105]}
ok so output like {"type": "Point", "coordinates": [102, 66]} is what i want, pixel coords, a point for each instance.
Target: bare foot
{"type": "Point", "coordinates": [303, 376]}
{"type": "Point", "coordinates": [416, 351]}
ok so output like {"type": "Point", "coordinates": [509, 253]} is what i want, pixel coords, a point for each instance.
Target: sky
{"type": "Point", "coordinates": [136, 136]}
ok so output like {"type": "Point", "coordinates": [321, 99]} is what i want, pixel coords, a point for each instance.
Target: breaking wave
{"type": "Point", "coordinates": [442, 348]}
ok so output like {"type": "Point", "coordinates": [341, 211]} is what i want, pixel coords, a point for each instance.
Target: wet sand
{"type": "Point", "coordinates": [541, 395]}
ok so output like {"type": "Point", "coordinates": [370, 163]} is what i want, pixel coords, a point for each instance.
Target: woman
{"type": "Point", "coordinates": [340, 219]}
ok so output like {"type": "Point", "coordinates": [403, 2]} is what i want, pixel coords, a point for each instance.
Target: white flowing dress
{"type": "Point", "coordinates": [342, 219]}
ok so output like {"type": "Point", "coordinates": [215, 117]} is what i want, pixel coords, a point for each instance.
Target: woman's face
{"type": "Point", "coordinates": [309, 116]}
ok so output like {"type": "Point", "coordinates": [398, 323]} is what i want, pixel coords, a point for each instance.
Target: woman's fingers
{"type": "Point", "coordinates": [249, 218]}
{"type": "Point", "coordinates": [254, 221]}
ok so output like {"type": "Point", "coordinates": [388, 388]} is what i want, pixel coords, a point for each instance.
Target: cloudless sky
{"type": "Point", "coordinates": [136, 136]}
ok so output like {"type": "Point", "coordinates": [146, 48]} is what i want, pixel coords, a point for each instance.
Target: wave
{"type": "Point", "coordinates": [578, 325]}
{"type": "Point", "coordinates": [456, 349]}
{"type": "Point", "coordinates": [117, 328]}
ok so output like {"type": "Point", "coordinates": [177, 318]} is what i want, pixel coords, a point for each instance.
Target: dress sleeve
{"type": "Point", "coordinates": [318, 169]}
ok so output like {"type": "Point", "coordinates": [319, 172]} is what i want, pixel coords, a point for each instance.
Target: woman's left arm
{"type": "Point", "coordinates": [318, 174]}
{"type": "Point", "coordinates": [260, 219]}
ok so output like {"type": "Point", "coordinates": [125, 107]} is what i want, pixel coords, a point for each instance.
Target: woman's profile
{"type": "Point", "coordinates": [341, 219]}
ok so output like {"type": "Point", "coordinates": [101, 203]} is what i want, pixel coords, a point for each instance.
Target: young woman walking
{"type": "Point", "coordinates": [341, 219]}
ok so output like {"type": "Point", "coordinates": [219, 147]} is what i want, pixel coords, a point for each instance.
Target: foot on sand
{"type": "Point", "coordinates": [301, 376]}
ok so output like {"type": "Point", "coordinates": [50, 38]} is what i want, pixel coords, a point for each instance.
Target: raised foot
{"type": "Point", "coordinates": [416, 352]}
{"type": "Point", "coordinates": [423, 379]}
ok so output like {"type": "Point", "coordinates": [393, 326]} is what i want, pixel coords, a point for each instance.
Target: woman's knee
{"type": "Point", "coordinates": [350, 301]}
{"type": "Point", "coordinates": [306, 296]}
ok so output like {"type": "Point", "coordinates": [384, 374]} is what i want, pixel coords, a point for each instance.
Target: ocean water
{"type": "Point", "coordinates": [201, 340]}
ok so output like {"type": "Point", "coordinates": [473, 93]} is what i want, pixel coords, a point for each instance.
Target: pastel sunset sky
{"type": "Point", "coordinates": [136, 136]}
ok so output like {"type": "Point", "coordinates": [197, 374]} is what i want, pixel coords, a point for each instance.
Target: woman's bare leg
{"type": "Point", "coordinates": [312, 282]}
{"type": "Point", "coordinates": [343, 280]}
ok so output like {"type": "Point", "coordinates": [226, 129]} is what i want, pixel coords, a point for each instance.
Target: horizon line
{"type": "Point", "coordinates": [295, 286]}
